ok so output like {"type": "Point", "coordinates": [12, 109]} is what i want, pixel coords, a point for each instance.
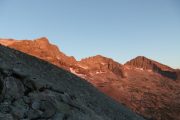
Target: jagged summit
{"type": "Point", "coordinates": [97, 59]}
{"type": "Point", "coordinates": [10, 40]}
{"type": "Point", "coordinates": [148, 64]}
{"type": "Point", "coordinates": [42, 39]}
{"type": "Point", "coordinates": [104, 64]}
{"type": "Point", "coordinates": [41, 48]}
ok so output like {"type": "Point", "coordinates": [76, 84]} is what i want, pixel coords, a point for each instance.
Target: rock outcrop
{"type": "Point", "coordinates": [32, 89]}
{"type": "Point", "coordinates": [102, 64]}
{"type": "Point", "coordinates": [42, 49]}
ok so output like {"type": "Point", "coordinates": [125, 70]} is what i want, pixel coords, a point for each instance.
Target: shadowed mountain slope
{"type": "Point", "coordinates": [34, 89]}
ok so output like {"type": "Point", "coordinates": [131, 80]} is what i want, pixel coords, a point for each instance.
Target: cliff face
{"type": "Point", "coordinates": [147, 64]}
{"type": "Point", "coordinates": [102, 64]}
{"type": "Point", "coordinates": [41, 48]}
{"type": "Point", "coordinates": [149, 88]}
{"type": "Point", "coordinates": [33, 89]}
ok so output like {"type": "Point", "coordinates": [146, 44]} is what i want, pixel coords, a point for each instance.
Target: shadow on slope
{"type": "Point", "coordinates": [34, 89]}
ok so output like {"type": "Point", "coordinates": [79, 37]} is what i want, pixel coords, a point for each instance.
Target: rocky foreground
{"type": "Point", "coordinates": [32, 89]}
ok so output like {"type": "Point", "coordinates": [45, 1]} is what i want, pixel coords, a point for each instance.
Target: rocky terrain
{"type": "Point", "coordinates": [147, 87]}
{"type": "Point", "coordinates": [41, 48]}
{"type": "Point", "coordinates": [147, 64]}
{"type": "Point", "coordinates": [33, 89]}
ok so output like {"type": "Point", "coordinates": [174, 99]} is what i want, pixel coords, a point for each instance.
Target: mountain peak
{"type": "Point", "coordinates": [97, 59]}
{"type": "Point", "coordinates": [141, 57]}
{"type": "Point", "coordinates": [42, 40]}
{"type": "Point", "coordinates": [102, 63]}
{"type": "Point", "coordinates": [148, 64]}
{"type": "Point", "coordinates": [41, 48]}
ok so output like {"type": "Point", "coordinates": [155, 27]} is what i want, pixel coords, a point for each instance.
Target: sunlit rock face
{"type": "Point", "coordinates": [101, 64]}
{"type": "Point", "coordinates": [147, 64]}
{"type": "Point", "coordinates": [41, 48]}
{"type": "Point", "coordinates": [147, 87]}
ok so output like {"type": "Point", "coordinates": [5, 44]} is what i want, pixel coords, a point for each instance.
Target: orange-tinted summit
{"type": "Point", "coordinates": [148, 64]}
{"type": "Point", "coordinates": [42, 49]}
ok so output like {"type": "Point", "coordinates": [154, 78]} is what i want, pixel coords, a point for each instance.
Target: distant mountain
{"type": "Point", "coordinates": [147, 64]}
{"type": "Point", "coordinates": [41, 48]}
{"type": "Point", "coordinates": [100, 64]}
{"type": "Point", "coordinates": [149, 88]}
{"type": "Point", "coordinates": [32, 89]}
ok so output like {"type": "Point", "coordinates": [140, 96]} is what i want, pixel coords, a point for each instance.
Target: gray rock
{"type": "Point", "coordinates": [35, 89]}
{"type": "Point", "coordinates": [4, 107]}
{"type": "Point", "coordinates": [36, 105]}
{"type": "Point", "coordinates": [14, 88]}
{"type": "Point", "coordinates": [6, 116]}
{"type": "Point", "coordinates": [47, 108]}
{"type": "Point", "coordinates": [33, 114]}
{"type": "Point", "coordinates": [19, 109]}
{"type": "Point", "coordinates": [58, 116]}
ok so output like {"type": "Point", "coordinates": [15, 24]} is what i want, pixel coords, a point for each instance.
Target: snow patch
{"type": "Point", "coordinates": [103, 63]}
{"type": "Point", "coordinates": [74, 72]}
{"type": "Point", "coordinates": [149, 70]}
{"type": "Point", "coordinates": [140, 69]}
{"type": "Point", "coordinates": [99, 72]}
{"type": "Point", "coordinates": [58, 58]}
{"type": "Point", "coordinates": [84, 67]}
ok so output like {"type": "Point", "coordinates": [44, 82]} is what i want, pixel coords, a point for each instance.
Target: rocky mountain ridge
{"type": "Point", "coordinates": [41, 48]}
{"type": "Point", "coordinates": [147, 87]}
{"type": "Point", "coordinates": [148, 64]}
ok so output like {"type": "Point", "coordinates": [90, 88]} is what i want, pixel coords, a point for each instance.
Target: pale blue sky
{"type": "Point", "coordinates": [119, 29]}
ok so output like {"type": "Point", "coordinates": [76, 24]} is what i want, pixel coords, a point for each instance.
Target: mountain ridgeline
{"type": "Point", "coordinates": [147, 87]}
{"type": "Point", "coordinates": [147, 64]}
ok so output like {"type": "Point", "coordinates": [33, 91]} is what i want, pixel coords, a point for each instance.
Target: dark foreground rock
{"type": "Point", "coordinates": [32, 89]}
